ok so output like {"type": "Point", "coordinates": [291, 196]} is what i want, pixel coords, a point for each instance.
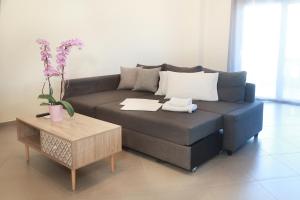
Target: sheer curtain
{"type": "Point", "coordinates": [265, 42]}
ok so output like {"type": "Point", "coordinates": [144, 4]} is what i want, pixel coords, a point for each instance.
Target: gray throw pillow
{"type": "Point", "coordinates": [231, 86]}
{"type": "Point", "coordinates": [128, 78]}
{"type": "Point", "coordinates": [147, 79]}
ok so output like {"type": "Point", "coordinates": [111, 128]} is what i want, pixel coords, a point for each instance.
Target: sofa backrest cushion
{"type": "Point", "coordinates": [83, 86]}
{"type": "Point", "coordinates": [173, 68]}
{"type": "Point", "coordinates": [231, 86]}
{"type": "Point", "coordinates": [162, 66]}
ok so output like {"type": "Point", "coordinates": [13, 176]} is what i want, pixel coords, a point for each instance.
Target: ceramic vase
{"type": "Point", "coordinates": [56, 113]}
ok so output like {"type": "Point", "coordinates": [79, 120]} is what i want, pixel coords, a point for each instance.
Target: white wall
{"type": "Point", "coordinates": [115, 33]}
{"type": "Point", "coordinates": [216, 28]}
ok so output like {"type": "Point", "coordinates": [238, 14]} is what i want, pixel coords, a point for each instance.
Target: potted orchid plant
{"type": "Point", "coordinates": [56, 106]}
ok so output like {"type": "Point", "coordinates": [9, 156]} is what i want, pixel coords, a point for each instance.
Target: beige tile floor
{"type": "Point", "coordinates": [267, 168]}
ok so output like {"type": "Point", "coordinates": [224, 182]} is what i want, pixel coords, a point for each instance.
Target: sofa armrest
{"type": "Point", "coordinates": [242, 124]}
{"type": "Point", "coordinates": [250, 92]}
{"type": "Point", "coordinates": [82, 86]}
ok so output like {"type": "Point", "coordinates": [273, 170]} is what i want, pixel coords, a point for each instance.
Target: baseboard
{"type": "Point", "coordinates": [7, 123]}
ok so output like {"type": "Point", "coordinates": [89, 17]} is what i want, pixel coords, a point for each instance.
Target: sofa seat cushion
{"type": "Point", "coordinates": [219, 107]}
{"type": "Point", "coordinates": [86, 104]}
{"type": "Point", "coordinates": [179, 128]}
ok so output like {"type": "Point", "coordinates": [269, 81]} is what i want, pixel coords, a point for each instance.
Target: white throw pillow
{"type": "Point", "coordinates": [198, 86]}
{"type": "Point", "coordinates": [163, 83]}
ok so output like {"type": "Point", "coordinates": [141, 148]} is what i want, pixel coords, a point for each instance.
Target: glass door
{"type": "Point", "coordinates": [268, 38]}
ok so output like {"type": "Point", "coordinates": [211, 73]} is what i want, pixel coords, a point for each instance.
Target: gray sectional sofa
{"type": "Point", "coordinates": [182, 139]}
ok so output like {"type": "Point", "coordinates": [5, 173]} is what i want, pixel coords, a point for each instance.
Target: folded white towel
{"type": "Point", "coordinates": [180, 101]}
{"type": "Point", "coordinates": [190, 108]}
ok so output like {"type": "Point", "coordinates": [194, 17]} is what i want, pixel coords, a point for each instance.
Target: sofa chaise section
{"type": "Point", "coordinates": [241, 121]}
{"type": "Point", "coordinates": [219, 107]}
{"type": "Point", "coordinates": [242, 124]}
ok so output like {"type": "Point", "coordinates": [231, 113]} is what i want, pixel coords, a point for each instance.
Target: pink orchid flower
{"type": "Point", "coordinates": [49, 70]}
{"type": "Point", "coordinates": [64, 50]}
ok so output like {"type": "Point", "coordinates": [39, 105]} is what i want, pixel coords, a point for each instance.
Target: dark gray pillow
{"type": "Point", "coordinates": [182, 69]}
{"type": "Point", "coordinates": [231, 86]}
{"type": "Point", "coordinates": [162, 66]}
{"type": "Point", "coordinates": [206, 70]}
{"type": "Point", "coordinates": [147, 79]}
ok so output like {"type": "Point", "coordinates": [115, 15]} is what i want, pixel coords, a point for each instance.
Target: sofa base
{"type": "Point", "coordinates": [186, 157]}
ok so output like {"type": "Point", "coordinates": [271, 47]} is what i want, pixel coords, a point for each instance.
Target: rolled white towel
{"type": "Point", "coordinates": [190, 108]}
{"type": "Point", "coordinates": [174, 101]}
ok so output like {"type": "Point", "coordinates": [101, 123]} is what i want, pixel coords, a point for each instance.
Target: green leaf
{"type": "Point", "coordinates": [49, 97]}
{"type": "Point", "coordinates": [44, 104]}
{"type": "Point", "coordinates": [68, 107]}
{"type": "Point", "coordinates": [51, 91]}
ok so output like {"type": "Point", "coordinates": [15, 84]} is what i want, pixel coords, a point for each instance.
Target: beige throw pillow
{"type": "Point", "coordinates": [128, 78]}
{"type": "Point", "coordinates": [147, 79]}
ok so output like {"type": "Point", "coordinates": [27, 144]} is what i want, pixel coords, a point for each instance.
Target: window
{"type": "Point", "coordinates": [266, 44]}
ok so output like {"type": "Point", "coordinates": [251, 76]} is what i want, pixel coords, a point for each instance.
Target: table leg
{"type": "Point", "coordinates": [27, 152]}
{"type": "Point", "coordinates": [112, 163]}
{"type": "Point", "coordinates": [73, 179]}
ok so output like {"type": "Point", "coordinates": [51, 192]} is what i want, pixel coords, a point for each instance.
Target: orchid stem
{"type": "Point", "coordinates": [44, 84]}
{"type": "Point", "coordinates": [62, 84]}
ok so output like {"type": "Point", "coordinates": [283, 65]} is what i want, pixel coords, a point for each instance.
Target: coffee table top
{"type": "Point", "coordinates": [71, 128]}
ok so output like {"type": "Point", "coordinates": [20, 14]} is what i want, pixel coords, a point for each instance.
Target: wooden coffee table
{"type": "Point", "coordinates": [75, 142]}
